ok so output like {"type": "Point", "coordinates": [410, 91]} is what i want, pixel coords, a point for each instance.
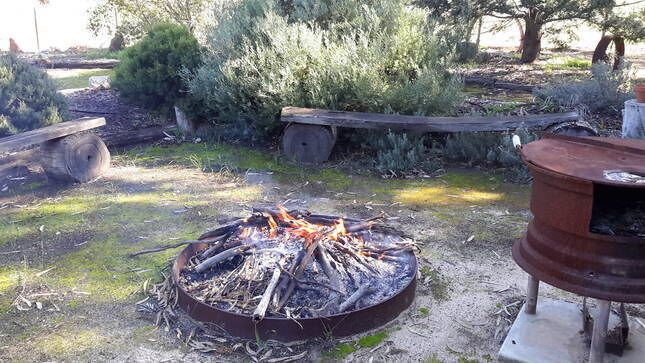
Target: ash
{"type": "Point", "coordinates": [297, 265]}
{"type": "Point", "coordinates": [619, 219]}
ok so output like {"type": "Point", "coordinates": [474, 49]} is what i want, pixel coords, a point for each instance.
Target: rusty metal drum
{"type": "Point", "coordinates": [588, 204]}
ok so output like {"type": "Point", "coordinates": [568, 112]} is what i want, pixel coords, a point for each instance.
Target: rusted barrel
{"type": "Point", "coordinates": [576, 181]}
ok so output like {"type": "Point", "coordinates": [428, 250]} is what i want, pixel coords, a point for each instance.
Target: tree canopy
{"type": "Point", "coordinates": [533, 13]}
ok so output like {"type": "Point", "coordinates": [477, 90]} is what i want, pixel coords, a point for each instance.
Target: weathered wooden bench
{"type": "Point", "coordinates": [67, 152]}
{"type": "Point", "coordinates": [311, 133]}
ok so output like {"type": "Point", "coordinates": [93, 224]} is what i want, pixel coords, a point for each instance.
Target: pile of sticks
{"type": "Point", "coordinates": [294, 264]}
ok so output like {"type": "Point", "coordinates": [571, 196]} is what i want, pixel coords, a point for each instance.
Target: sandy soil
{"type": "Point", "coordinates": [465, 223]}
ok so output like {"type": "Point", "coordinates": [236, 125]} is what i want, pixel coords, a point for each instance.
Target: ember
{"type": "Point", "coordinates": [295, 265]}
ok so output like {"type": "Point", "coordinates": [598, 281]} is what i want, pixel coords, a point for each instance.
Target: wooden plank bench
{"type": "Point", "coordinates": [311, 133]}
{"type": "Point", "coordinates": [67, 153]}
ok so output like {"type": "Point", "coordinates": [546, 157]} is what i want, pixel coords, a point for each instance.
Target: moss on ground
{"type": "Point", "coordinates": [341, 351]}
{"type": "Point", "coordinates": [439, 284]}
{"type": "Point", "coordinates": [90, 229]}
{"type": "Point", "coordinates": [453, 188]}
{"type": "Point", "coordinates": [70, 343]}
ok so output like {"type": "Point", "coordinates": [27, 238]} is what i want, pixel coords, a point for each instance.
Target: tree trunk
{"type": "Point", "coordinates": [520, 29]}
{"type": "Point", "coordinates": [479, 33]}
{"type": "Point", "coordinates": [532, 39]}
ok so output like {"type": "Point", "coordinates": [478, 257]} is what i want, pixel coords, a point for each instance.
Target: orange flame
{"type": "Point", "coordinates": [302, 228]}
{"type": "Point", "coordinates": [273, 228]}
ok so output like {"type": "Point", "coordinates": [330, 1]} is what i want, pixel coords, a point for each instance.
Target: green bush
{"type": "Point", "coordinates": [28, 97]}
{"type": "Point", "coordinates": [489, 149]}
{"type": "Point", "coordinates": [396, 152]}
{"type": "Point", "coordinates": [149, 71]}
{"type": "Point", "coordinates": [375, 56]}
{"type": "Point", "coordinates": [606, 91]}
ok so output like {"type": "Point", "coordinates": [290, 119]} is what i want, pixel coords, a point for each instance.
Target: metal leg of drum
{"type": "Point", "coordinates": [532, 295]}
{"type": "Point", "coordinates": [601, 321]}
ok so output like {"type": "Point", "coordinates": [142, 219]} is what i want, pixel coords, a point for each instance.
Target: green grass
{"type": "Point", "coordinates": [81, 79]}
{"type": "Point", "coordinates": [494, 109]}
{"type": "Point", "coordinates": [567, 63]}
{"type": "Point", "coordinates": [438, 283]}
{"type": "Point", "coordinates": [100, 53]}
{"type": "Point", "coordinates": [424, 311]}
{"type": "Point", "coordinates": [343, 350]}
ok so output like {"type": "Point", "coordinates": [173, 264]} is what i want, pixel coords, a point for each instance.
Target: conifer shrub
{"type": "Point", "coordinates": [28, 97]}
{"type": "Point", "coordinates": [375, 56]}
{"type": "Point", "coordinates": [150, 71]}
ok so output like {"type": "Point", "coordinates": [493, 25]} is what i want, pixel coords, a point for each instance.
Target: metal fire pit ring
{"type": "Point", "coordinates": [288, 330]}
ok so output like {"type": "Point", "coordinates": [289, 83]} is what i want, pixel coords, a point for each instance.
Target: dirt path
{"type": "Point", "coordinates": [66, 248]}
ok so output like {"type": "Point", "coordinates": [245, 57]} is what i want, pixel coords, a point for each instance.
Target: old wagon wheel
{"type": "Point", "coordinates": [600, 53]}
{"type": "Point", "coordinates": [76, 158]}
{"type": "Point", "coordinates": [573, 128]}
{"type": "Point", "coordinates": [308, 143]}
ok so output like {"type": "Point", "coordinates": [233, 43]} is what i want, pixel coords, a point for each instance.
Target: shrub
{"type": "Point", "coordinates": [491, 149]}
{"type": "Point", "coordinates": [117, 43]}
{"type": "Point", "coordinates": [396, 152]}
{"type": "Point", "coordinates": [606, 91]}
{"type": "Point", "coordinates": [379, 56]}
{"type": "Point", "coordinates": [28, 97]}
{"type": "Point", "coordinates": [149, 71]}
{"type": "Point", "coordinates": [466, 52]}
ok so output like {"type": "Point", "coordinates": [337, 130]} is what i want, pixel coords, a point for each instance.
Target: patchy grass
{"type": "Point", "coordinates": [341, 351]}
{"type": "Point", "coordinates": [454, 188]}
{"type": "Point", "coordinates": [439, 284]}
{"type": "Point", "coordinates": [156, 195]}
{"type": "Point", "coordinates": [100, 53]}
{"type": "Point", "coordinates": [567, 63]}
{"type": "Point", "coordinates": [70, 343]}
{"type": "Point", "coordinates": [77, 78]}
{"type": "Point", "coordinates": [501, 108]}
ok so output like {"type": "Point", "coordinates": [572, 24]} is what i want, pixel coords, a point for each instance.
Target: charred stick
{"type": "Point", "coordinates": [283, 285]}
{"type": "Point", "coordinates": [223, 230]}
{"type": "Point", "coordinates": [303, 282]}
{"type": "Point", "coordinates": [359, 227]}
{"type": "Point", "coordinates": [353, 298]}
{"type": "Point", "coordinates": [354, 256]}
{"type": "Point", "coordinates": [218, 248]}
{"type": "Point", "coordinates": [222, 256]}
{"type": "Point", "coordinates": [321, 256]}
{"type": "Point", "coordinates": [162, 248]}
{"type": "Point", "coordinates": [261, 309]}
{"type": "Point", "coordinates": [312, 244]}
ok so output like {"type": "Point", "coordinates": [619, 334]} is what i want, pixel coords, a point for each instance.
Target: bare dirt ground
{"type": "Point", "coordinates": [64, 250]}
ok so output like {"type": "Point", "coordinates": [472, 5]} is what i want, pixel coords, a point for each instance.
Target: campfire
{"type": "Point", "coordinates": [295, 265]}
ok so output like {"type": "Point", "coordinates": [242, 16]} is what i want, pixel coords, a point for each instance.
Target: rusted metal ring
{"type": "Point", "coordinates": [288, 330]}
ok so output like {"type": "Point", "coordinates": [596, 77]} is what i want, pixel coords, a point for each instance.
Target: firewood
{"type": "Point", "coordinates": [307, 246]}
{"type": "Point", "coordinates": [353, 298]}
{"type": "Point", "coordinates": [312, 244]}
{"type": "Point", "coordinates": [162, 248]}
{"type": "Point", "coordinates": [260, 310]}
{"type": "Point", "coordinates": [222, 256]}
{"type": "Point", "coordinates": [222, 230]}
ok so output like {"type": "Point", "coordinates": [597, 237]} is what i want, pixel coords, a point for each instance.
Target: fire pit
{"type": "Point", "coordinates": [588, 231]}
{"type": "Point", "coordinates": [292, 275]}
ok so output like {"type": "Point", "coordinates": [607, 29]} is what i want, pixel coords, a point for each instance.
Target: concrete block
{"type": "Point", "coordinates": [554, 334]}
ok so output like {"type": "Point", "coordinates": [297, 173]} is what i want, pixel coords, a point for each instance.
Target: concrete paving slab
{"type": "Point", "coordinates": [554, 334]}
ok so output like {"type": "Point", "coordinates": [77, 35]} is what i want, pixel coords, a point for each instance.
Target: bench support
{"type": "Point", "coordinates": [308, 143]}
{"type": "Point", "coordinates": [76, 158]}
